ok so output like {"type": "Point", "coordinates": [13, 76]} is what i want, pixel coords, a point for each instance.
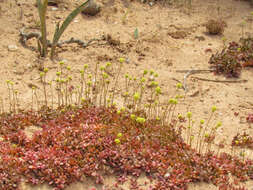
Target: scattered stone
{"type": "Point", "coordinates": [195, 93]}
{"type": "Point", "coordinates": [151, 3]}
{"type": "Point", "coordinates": [12, 48]}
{"type": "Point", "coordinates": [168, 62]}
{"type": "Point", "coordinates": [112, 41]}
{"type": "Point", "coordinates": [200, 38]}
{"type": "Point", "coordinates": [92, 9]}
{"type": "Point", "coordinates": [19, 72]}
{"type": "Point", "coordinates": [178, 34]}
{"type": "Point", "coordinates": [151, 78]}
{"type": "Point", "coordinates": [54, 2]}
{"type": "Point", "coordinates": [57, 17]}
{"type": "Point", "coordinates": [64, 61]}
{"type": "Point", "coordinates": [54, 8]}
{"type": "Point", "coordinates": [127, 60]}
{"type": "Point", "coordinates": [31, 85]}
{"type": "Point", "coordinates": [28, 14]}
{"type": "Point", "coordinates": [206, 89]}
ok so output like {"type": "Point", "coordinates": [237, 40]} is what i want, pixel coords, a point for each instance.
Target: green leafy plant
{"type": "Point", "coordinates": [43, 42]}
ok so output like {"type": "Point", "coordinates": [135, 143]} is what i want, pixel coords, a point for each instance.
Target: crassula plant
{"type": "Point", "coordinates": [84, 134]}
{"type": "Point", "coordinates": [77, 142]}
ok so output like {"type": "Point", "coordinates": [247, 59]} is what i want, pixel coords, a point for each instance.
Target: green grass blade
{"type": "Point", "coordinates": [42, 8]}
{"type": "Point", "coordinates": [65, 24]}
{"type": "Point", "coordinates": [136, 33]}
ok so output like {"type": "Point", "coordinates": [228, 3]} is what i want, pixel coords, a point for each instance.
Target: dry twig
{"type": "Point", "coordinates": [24, 37]}
{"type": "Point", "coordinates": [221, 81]}
{"type": "Point", "coordinates": [190, 72]}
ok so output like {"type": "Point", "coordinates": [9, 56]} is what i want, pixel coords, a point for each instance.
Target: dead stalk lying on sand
{"type": "Point", "coordinates": [24, 37]}
{"type": "Point", "coordinates": [191, 72]}
{"type": "Point", "coordinates": [221, 81]}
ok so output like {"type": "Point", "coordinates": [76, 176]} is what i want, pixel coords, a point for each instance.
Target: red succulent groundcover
{"type": "Point", "coordinates": [81, 142]}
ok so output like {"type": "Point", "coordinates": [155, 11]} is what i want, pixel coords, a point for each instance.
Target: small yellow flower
{"type": "Point", "coordinates": [108, 64]}
{"type": "Point", "coordinates": [61, 63]}
{"type": "Point", "coordinates": [42, 74]}
{"type": "Point", "coordinates": [58, 73]}
{"type": "Point", "coordinates": [85, 66]}
{"type": "Point", "coordinates": [214, 108]}
{"type": "Point", "coordinates": [218, 124]}
{"type": "Point", "coordinates": [132, 116]}
{"type": "Point", "coordinates": [102, 68]}
{"type": "Point", "coordinates": [158, 90]}
{"type": "Point", "coordinates": [45, 70]}
{"type": "Point", "coordinates": [136, 96]}
{"type": "Point", "coordinates": [179, 85]}
{"type": "Point", "coordinates": [189, 114]}
{"type": "Point", "coordinates": [172, 101]}
{"type": "Point", "coordinates": [89, 83]}
{"type": "Point", "coordinates": [117, 141]}
{"type": "Point", "coordinates": [143, 79]}
{"type": "Point", "coordinates": [121, 60]}
{"type": "Point", "coordinates": [140, 120]}
{"type": "Point", "coordinates": [242, 153]}
{"type": "Point", "coordinates": [119, 135]}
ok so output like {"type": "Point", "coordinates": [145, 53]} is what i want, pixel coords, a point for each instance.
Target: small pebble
{"type": "Point", "coordinates": [92, 9]}
{"type": "Point", "coordinates": [12, 47]}
{"type": "Point", "coordinates": [195, 93]}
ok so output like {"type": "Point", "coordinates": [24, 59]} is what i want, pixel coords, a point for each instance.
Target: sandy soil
{"type": "Point", "coordinates": [155, 49]}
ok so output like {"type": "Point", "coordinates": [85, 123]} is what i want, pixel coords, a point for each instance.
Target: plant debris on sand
{"type": "Point", "coordinates": [76, 142]}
